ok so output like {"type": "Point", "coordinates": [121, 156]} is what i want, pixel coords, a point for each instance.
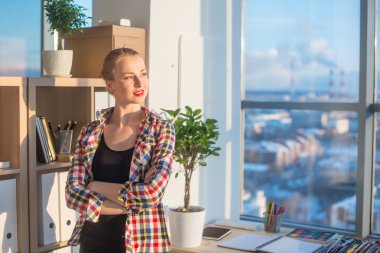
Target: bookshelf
{"type": "Point", "coordinates": [13, 148]}
{"type": "Point", "coordinates": [59, 100]}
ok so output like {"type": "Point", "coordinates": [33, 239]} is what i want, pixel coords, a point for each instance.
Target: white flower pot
{"type": "Point", "coordinates": [57, 63]}
{"type": "Point", "coordinates": [186, 228]}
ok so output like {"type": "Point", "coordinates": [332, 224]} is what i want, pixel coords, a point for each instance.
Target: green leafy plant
{"type": "Point", "coordinates": [65, 17]}
{"type": "Point", "coordinates": [195, 141]}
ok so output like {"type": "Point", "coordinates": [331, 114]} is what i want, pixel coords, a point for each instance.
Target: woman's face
{"type": "Point", "coordinates": [130, 84]}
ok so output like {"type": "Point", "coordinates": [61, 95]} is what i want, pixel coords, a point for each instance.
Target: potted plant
{"type": "Point", "coordinates": [65, 17]}
{"type": "Point", "coordinates": [195, 141]}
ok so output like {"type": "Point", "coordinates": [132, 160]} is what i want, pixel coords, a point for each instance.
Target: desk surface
{"type": "Point", "coordinates": [211, 246]}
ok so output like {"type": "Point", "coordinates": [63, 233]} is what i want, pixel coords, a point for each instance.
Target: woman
{"type": "Point", "coordinates": [121, 166]}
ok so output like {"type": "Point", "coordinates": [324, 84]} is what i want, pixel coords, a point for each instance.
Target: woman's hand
{"type": "Point", "coordinates": [92, 186]}
{"type": "Point", "coordinates": [149, 174]}
{"type": "Point", "coordinates": [111, 208]}
{"type": "Point", "coordinates": [108, 190]}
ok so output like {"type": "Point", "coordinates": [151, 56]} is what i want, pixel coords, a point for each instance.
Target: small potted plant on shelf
{"type": "Point", "coordinates": [195, 141]}
{"type": "Point", "coordinates": [65, 17]}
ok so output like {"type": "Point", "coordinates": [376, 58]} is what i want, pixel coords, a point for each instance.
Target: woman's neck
{"type": "Point", "coordinates": [125, 115]}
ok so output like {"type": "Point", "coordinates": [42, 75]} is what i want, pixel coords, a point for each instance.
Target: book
{"type": "Point", "coordinates": [41, 145]}
{"type": "Point", "coordinates": [285, 244]}
{"type": "Point", "coordinates": [49, 138]}
{"type": "Point", "coordinates": [248, 242]}
{"type": "Point", "coordinates": [215, 233]}
{"type": "Point", "coordinates": [5, 164]}
{"type": "Point", "coordinates": [312, 235]}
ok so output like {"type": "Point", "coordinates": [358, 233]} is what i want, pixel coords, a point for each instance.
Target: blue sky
{"type": "Point", "coordinates": [313, 36]}
{"type": "Point", "coordinates": [20, 36]}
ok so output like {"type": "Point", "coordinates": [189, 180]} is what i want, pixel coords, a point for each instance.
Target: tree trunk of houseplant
{"type": "Point", "coordinates": [186, 223]}
{"type": "Point", "coordinates": [188, 175]}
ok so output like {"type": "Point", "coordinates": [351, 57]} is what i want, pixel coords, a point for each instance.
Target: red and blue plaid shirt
{"type": "Point", "coordinates": [145, 228]}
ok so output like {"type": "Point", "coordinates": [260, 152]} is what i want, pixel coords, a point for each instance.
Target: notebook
{"type": "Point", "coordinates": [286, 244]}
{"type": "Point", "coordinates": [247, 242]}
{"type": "Point", "coordinates": [215, 233]}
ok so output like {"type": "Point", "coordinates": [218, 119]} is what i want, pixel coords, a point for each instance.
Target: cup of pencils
{"type": "Point", "coordinates": [63, 137]}
{"type": "Point", "coordinates": [64, 141]}
{"type": "Point", "coordinates": [273, 217]}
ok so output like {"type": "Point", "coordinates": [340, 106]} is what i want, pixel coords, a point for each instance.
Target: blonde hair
{"type": "Point", "coordinates": [110, 61]}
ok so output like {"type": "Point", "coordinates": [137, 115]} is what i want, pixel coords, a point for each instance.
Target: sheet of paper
{"type": "Point", "coordinates": [286, 245]}
{"type": "Point", "coordinates": [247, 242]}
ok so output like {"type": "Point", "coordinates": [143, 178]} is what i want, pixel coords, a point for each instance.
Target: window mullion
{"type": "Point", "coordinates": [364, 178]}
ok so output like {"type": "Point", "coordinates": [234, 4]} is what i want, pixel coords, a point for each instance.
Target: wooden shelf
{"type": "Point", "coordinates": [41, 168]}
{"type": "Point", "coordinates": [13, 148]}
{"type": "Point", "coordinates": [66, 82]}
{"type": "Point", "coordinates": [59, 100]}
{"type": "Point", "coordinates": [9, 171]}
{"type": "Point", "coordinates": [50, 247]}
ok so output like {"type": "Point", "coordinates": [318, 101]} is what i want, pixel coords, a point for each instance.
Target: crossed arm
{"type": "Point", "coordinates": [95, 198]}
{"type": "Point", "coordinates": [112, 204]}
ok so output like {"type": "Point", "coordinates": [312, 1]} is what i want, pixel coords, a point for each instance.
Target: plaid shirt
{"type": "Point", "coordinates": [145, 228]}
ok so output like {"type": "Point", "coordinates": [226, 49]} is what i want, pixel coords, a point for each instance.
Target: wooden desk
{"type": "Point", "coordinates": [211, 246]}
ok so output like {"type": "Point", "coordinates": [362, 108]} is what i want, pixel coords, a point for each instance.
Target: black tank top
{"type": "Point", "coordinates": [107, 235]}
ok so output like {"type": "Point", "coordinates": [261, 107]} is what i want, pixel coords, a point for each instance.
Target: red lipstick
{"type": "Point", "coordinates": [138, 93]}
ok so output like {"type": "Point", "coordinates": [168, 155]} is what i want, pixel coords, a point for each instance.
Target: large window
{"type": "Point", "coordinates": [376, 193]}
{"type": "Point", "coordinates": [307, 126]}
{"type": "Point", "coordinates": [21, 36]}
{"type": "Point", "coordinates": [376, 187]}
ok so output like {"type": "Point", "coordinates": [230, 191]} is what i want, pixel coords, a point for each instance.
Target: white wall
{"type": "Point", "coordinates": [136, 11]}
{"type": "Point", "coordinates": [195, 58]}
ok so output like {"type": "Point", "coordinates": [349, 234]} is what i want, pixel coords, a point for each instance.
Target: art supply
{"type": "Point", "coordinates": [64, 138]}
{"type": "Point", "coordinates": [353, 245]}
{"type": "Point", "coordinates": [312, 235]}
{"type": "Point", "coordinates": [273, 217]}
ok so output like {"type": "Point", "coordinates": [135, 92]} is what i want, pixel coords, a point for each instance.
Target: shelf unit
{"type": "Point", "coordinates": [13, 148]}
{"type": "Point", "coordinates": [59, 100]}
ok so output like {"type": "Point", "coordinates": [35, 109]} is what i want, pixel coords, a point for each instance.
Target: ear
{"type": "Point", "coordinates": [109, 87]}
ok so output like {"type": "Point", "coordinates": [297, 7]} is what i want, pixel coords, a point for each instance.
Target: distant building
{"type": "Point", "coordinates": [342, 214]}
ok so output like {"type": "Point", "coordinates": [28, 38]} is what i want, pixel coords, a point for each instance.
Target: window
{"type": "Point", "coordinates": [307, 123]}
{"type": "Point", "coordinates": [87, 4]}
{"type": "Point", "coordinates": [376, 187]}
{"type": "Point", "coordinates": [20, 38]}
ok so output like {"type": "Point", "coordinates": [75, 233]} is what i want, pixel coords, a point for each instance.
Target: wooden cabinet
{"type": "Point", "coordinates": [92, 45]}
{"type": "Point", "coordinates": [59, 100]}
{"type": "Point", "coordinates": [13, 149]}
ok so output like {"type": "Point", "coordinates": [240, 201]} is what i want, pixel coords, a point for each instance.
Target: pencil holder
{"type": "Point", "coordinates": [272, 222]}
{"type": "Point", "coordinates": [64, 139]}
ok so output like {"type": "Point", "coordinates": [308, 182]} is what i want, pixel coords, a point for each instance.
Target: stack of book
{"type": "Point", "coordinates": [45, 143]}
{"type": "Point", "coordinates": [352, 245]}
